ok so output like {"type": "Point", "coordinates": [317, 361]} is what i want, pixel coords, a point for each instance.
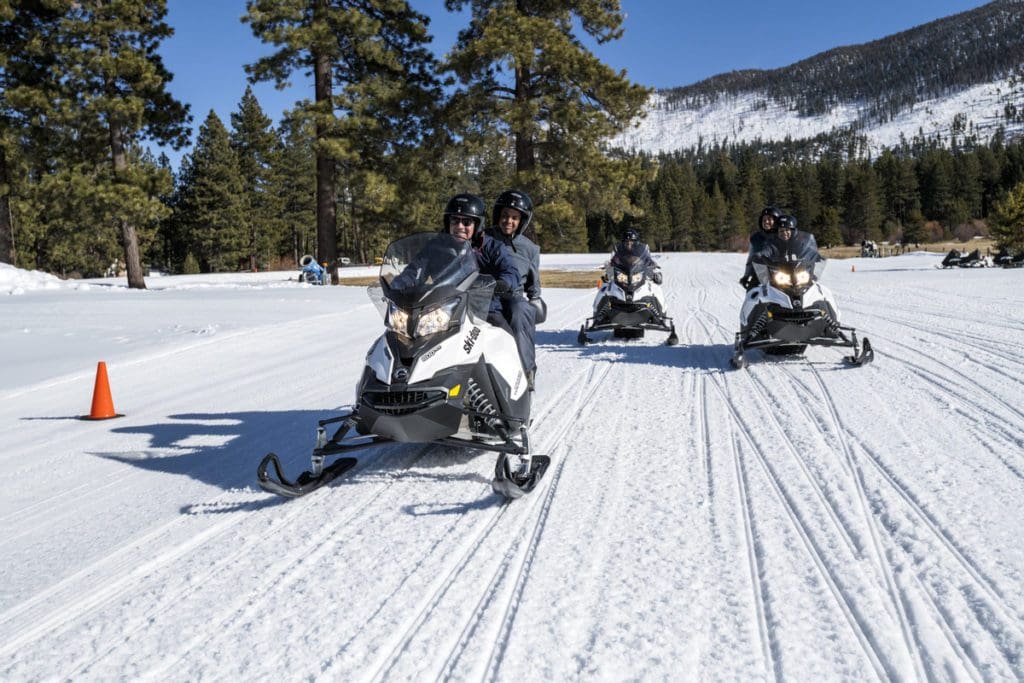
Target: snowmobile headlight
{"type": "Point", "coordinates": [436, 319]}
{"type": "Point", "coordinates": [621, 278]}
{"type": "Point", "coordinates": [636, 278]}
{"type": "Point", "coordinates": [802, 277]}
{"type": "Point", "coordinates": [398, 319]}
{"type": "Point", "coordinates": [782, 278]}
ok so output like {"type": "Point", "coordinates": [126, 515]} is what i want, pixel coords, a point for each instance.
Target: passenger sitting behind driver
{"type": "Point", "coordinates": [789, 244]}
{"type": "Point", "coordinates": [464, 218]}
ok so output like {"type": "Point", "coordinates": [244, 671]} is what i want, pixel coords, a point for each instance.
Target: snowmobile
{"type": "Point", "coordinates": [791, 310]}
{"type": "Point", "coordinates": [959, 259]}
{"type": "Point", "coordinates": [952, 259]}
{"type": "Point", "coordinates": [1006, 259]}
{"type": "Point", "coordinates": [311, 272]}
{"type": "Point", "coordinates": [973, 260]}
{"type": "Point", "coordinates": [629, 300]}
{"type": "Point", "coordinates": [439, 374]}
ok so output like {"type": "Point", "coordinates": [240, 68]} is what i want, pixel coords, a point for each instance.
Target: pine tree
{"type": "Point", "coordinates": [826, 227]}
{"type": "Point", "coordinates": [7, 47]}
{"type": "Point", "coordinates": [293, 182]}
{"type": "Point", "coordinates": [213, 208]}
{"type": "Point", "coordinates": [898, 186]}
{"type": "Point", "coordinates": [118, 82]}
{"type": "Point", "coordinates": [935, 178]}
{"type": "Point", "coordinates": [374, 50]}
{"type": "Point", "coordinates": [1007, 219]}
{"type": "Point", "coordinates": [861, 214]}
{"type": "Point", "coordinates": [29, 85]}
{"type": "Point", "coordinates": [526, 76]}
{"type": "Point", "coordinates": [254, 140]}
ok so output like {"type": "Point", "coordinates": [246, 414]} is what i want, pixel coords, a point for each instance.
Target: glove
{"type": "Point", "coordinates": [541, 312]}
{"type": "Point", "coordinates": [604, 277]}
{"type": "Point", "coordinates": [748, 282]}
{"type": "Point", "coordinates": [656, 277]}
{"type": "Point", "coordinates": [502, 289]}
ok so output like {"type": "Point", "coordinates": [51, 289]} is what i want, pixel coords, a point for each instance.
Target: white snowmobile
{"type": "Point", "coordinates": [439, 374]}
{"type": "Point", "coordinates": [790, 310]}
{"type": "Point", "coordinates": [630, 299]}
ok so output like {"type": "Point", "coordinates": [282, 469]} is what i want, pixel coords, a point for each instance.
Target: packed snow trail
{"type": "Point", "coordinates": [792, 520]}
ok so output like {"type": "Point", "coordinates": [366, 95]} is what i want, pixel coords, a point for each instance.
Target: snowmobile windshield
{"type": "Point", "coordinates": [427, 281]}
{"type": "Point", "coordinates": [416, 265]}
{"type": "Point", "coordinates": [631, 259]}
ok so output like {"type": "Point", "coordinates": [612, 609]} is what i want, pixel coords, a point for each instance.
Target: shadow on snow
{"type": "Point", "coordinates": [224, 449]}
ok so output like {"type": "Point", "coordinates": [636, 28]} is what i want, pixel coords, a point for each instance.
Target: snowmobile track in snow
{"type": "Point", "coordinates": [971, 665]}
{"type": "Point", "coordinates": [845, 439]}
{"type": "Point", "coordinates": [515, 559]}
{"type": "Point", "coordinates": [858, 623]}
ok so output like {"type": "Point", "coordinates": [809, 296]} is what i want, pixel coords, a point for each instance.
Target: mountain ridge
{"type": "Point", "coordinates": [958, 75]}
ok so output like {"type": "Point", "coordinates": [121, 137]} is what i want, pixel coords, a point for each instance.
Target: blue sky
{"type": "Point", "coordinates": [666, 43]}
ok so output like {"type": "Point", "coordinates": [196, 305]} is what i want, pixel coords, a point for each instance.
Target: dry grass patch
{"type": "Point", "coordinates": [567, 279]}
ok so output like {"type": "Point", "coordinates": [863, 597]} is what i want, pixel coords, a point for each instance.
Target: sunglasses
{"type": "Point", "coordinates": [461, 220]}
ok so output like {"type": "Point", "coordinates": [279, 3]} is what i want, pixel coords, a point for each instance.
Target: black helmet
{"type": "Point", "coordinates": [772, 211]}
{"type": "Point", "coordinates": [630, 234]}
{"type": "Point", "coordinates": [465, 204]}
{"type": "Point", "coordinates": [514, 199]}
{"type": "Point", "coordinates": [787, 223]}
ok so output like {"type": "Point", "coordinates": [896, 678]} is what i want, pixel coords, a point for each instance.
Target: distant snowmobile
{"type": "Point", "coordinates": [311, 272]}
{"type": "Point", "coordinates": [959, 259]}
{"type": "Point", "coordinates": [1006, 259]}
{"type": "Point", "coordinates": [792, 310]}
{"type": "Point", "coordinates": [439, 373]}
{"type": "Point", "coordinates": [630, 298]}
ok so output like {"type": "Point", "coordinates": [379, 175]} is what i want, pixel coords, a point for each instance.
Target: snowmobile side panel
{"type": "Point", "coordinates": [381, 359]}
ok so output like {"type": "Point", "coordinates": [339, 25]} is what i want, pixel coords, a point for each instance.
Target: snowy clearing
{"type": "Point", "coordinates": [797, 520]}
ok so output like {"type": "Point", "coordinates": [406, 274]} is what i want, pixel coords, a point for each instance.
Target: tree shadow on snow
{"type": "Point", "coordinates": [224, 449]}
{"type": "Point", "coordinates": [639, 351]}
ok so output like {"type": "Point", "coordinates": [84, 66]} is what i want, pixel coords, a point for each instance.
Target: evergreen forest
{"type": "Point", "coordinates": [390, 131]}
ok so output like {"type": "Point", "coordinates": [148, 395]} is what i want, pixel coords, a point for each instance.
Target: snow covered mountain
{"type": "Point", "coordinates": [962, 75]}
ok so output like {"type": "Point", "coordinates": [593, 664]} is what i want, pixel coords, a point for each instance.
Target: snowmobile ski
{"type": "Point", "coordinates": [307, 481]}
{"type": "Point", "coordinates": [512, 485]}
{"type": "Point", "coordinates": [864, 356]}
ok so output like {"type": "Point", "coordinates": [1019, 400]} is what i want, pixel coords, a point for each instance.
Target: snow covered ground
{"type": "Point", "coordinates": [796, 520]}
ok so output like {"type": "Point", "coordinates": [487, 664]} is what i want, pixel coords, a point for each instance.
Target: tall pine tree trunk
{"type": "Point", "coordinates": [6, 223]}
{"type": "Point", "coordinates": [526, 158]}
{"type": "Point", "coordinates": [129, 239]}
{"type": "Point", "coordinates": [326, 209]}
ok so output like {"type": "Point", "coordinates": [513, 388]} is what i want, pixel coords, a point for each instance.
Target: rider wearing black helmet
{"type": "Point", "coordinates": [767, 224]}
{"type": "Point", "coordinates": [631, 243]}
{"type": "Point", "coordinates": [464, 219]}
{"type": "Point", "coordinates": [790, 243]}
{"type": "Point", "coordinates": [512, 214]}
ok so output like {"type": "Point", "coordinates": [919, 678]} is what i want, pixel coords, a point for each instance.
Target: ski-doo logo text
{"type": "Point", "coordinates": [471, 339]}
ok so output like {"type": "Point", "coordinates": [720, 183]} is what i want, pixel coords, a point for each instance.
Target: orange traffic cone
{"type": "Point", "coordinates": [102, 403]}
